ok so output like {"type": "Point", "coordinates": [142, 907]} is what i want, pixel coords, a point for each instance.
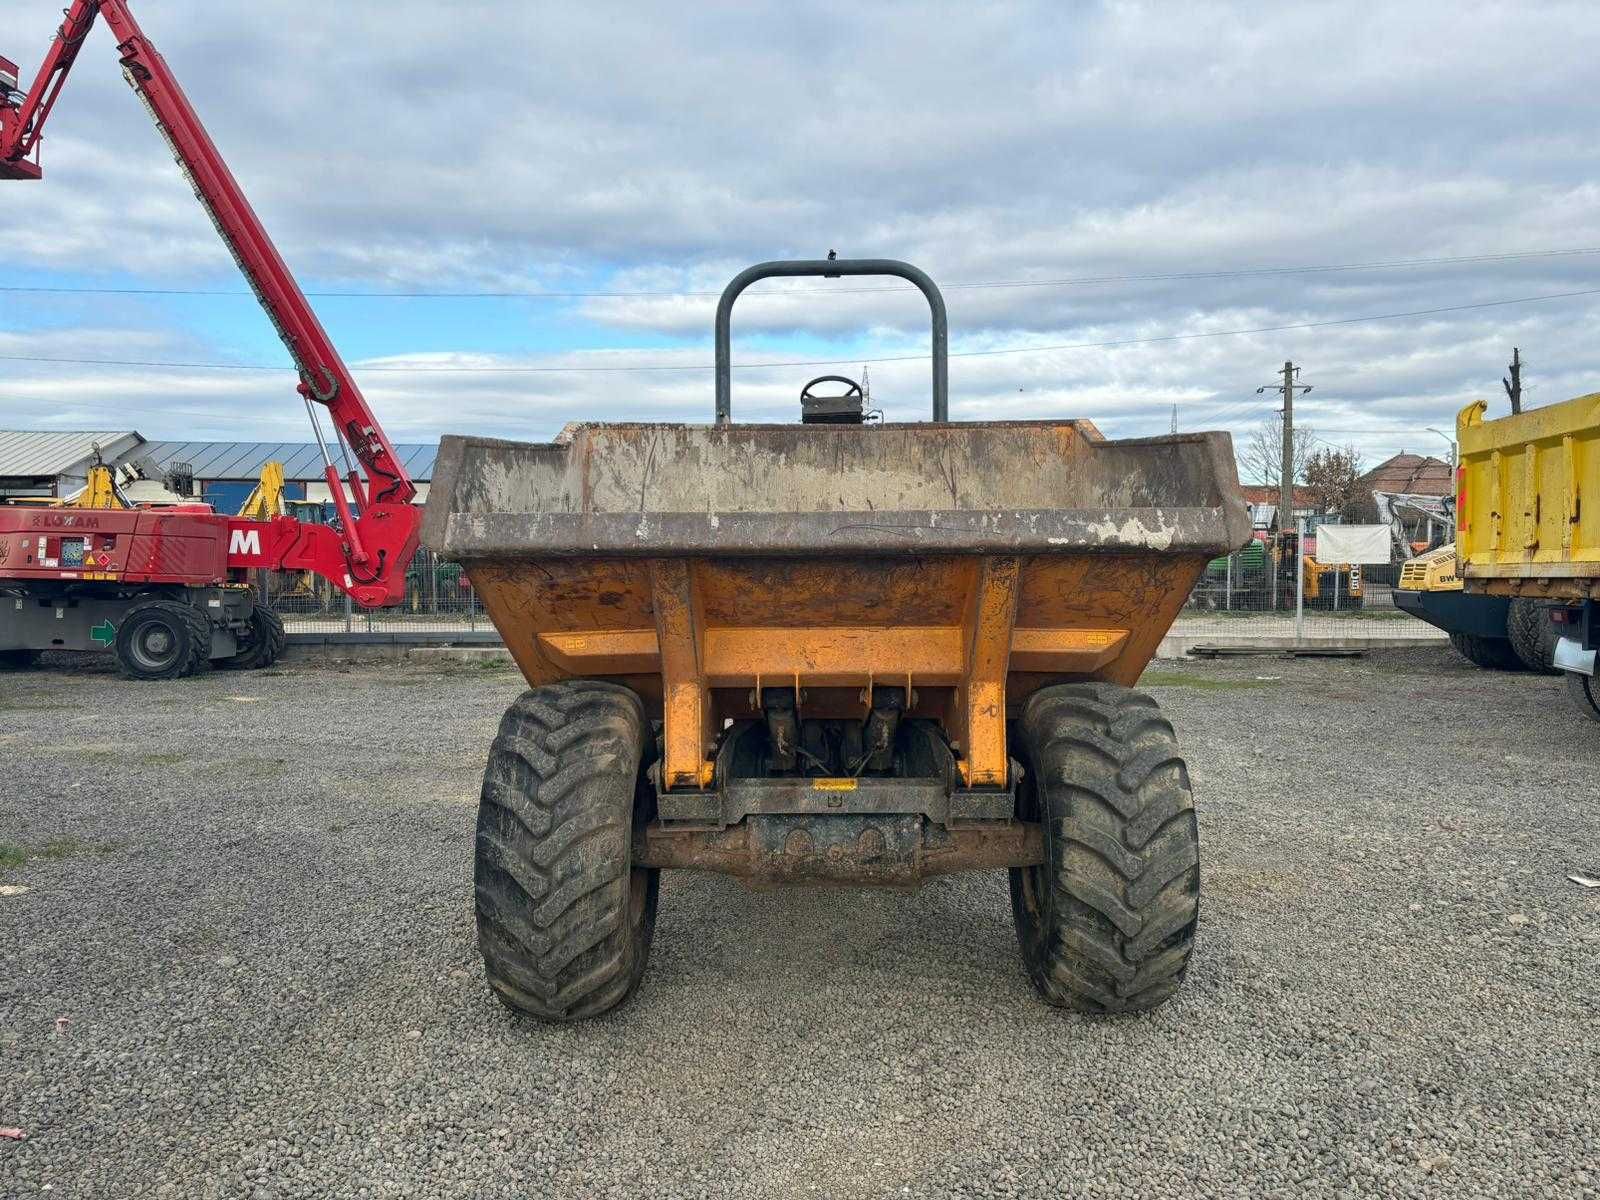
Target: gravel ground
{"type": "Point", "coordinates": [245, 967]}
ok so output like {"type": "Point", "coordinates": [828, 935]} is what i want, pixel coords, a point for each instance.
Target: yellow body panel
{"type": "Point", "coordinates": [969, 637]}
{"type": "Point", "coordinates": [1522, 522]}
{"type": "Point", "coordinates": [1434, 571]}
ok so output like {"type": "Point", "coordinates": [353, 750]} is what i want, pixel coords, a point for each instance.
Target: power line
{"type": "Point", "coordinates": [823, 362]}
{"type": "Point", "coordinates": [1072, 281]}
{"type": "Point", "coordinates": [1241, 410]}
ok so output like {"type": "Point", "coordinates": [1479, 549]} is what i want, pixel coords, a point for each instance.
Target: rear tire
{"type": "Point", "coordinates": [1492, 654]}
{"type": "Point", "coordinates": [1533, 635]}
{"type": "Point", "coordinates": [163, 639]}
{"type": "Point", "coordinates": [263, 645]}
{"type": "Point", "coordinates": [18, 660]}
{"type": "Point", "coordinates": [1585, 693]}
{"type": "Point", "coordinates": [1107, 922]}
{"type": "Point", "coordinates": [564, 918]}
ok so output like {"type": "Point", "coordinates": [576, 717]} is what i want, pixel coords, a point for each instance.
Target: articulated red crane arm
{"type": "Point", "coordinates": [378, 541]}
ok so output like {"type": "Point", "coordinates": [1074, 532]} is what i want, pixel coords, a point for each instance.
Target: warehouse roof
{"type": "Point", "coordinates": [41, 453]}
{"type": "Point", "coordinates": [302, 461]}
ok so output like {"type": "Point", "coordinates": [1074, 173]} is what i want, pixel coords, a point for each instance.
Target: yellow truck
{"type": "Point", "coordinates": [1528, 522]}
{"type": "Point", "coordinates": [1497, 633]}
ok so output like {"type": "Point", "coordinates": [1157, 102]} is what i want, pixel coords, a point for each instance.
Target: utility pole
{"type": "Point", "coordinates": [1513, 385]}
{"type": "Point", "coordinates": [1287, 558]}
{"type": "Point", "coordinates": [1286, 475]}
{"type": "Point", "coordinates": [1174, 418]}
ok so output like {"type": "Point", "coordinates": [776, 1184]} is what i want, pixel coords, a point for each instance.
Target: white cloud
{"type": "Point", "coordinates": [653, 147]}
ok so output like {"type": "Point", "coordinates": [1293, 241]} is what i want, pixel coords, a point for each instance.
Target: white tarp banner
{"type": "Point", "coordinates": [1339, 544]}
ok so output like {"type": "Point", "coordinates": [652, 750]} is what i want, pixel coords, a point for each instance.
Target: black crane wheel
{"type": "Point", "coordinates": [261, 646]}
{"type": "Point", "coordinates": [163, 639]}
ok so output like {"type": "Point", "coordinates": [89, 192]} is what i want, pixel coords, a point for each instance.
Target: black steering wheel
{"type": "Point", "coordinates": [852, 388]}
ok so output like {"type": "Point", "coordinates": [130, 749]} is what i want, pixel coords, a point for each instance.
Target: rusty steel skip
{"type": "Point", "coordinates": [836, 630]}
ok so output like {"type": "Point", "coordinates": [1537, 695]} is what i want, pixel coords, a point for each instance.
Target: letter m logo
{"type": "Point", "coordinates": [245, 542]}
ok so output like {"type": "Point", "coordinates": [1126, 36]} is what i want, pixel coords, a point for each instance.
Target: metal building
{"type": "Point", "coordinates": [43, 463]}
{"type": "Point", "coordinates": [55, 463]}
{"type": "Point", "coordinates": [224, 472]}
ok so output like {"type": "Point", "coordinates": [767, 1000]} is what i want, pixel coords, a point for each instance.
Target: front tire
{"type": "Point", "coordinates": [163, 639]}
{"type": "Point", "coordinates": [1490, 653]}
{"type": "Point", "coordinates": [1107, 922]}
{"type": "Point", "coordinates": [564, 918]}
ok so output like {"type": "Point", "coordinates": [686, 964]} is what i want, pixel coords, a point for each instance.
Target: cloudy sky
{"type": "Point", "coordinates": [1163, 175]}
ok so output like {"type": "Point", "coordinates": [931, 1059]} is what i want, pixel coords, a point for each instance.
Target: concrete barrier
{"type": "Point", "coordinates": [487, 647]}
{"type": "Point", "coordinates": [1183, 645]}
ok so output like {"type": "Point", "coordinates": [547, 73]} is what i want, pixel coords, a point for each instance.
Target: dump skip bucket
{"type": "Point", "coordinates": [969, 563]}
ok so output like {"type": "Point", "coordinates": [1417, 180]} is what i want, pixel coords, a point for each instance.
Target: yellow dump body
{"type": "Point", "coordinates": [968, 563]}
{"type": "Point", "coordinates": [1528, 503]}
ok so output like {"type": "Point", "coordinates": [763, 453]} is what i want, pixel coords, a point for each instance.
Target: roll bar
{"type": "Point", "coordinates": [830, 268]}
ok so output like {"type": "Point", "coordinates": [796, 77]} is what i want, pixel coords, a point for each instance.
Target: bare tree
{"type": "Point", "coordinates": [1334, 476]}
{"type": "Point", "coordinates": [1262, 455]}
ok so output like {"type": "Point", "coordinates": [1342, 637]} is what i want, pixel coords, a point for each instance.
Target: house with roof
{"type": "Point", "coordinates": [1411, 474]}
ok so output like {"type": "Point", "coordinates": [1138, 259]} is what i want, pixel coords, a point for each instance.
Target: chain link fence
{"type": "Point", "coordinates": [1275, 588]}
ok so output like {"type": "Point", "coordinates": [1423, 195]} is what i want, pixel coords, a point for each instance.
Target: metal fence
{"type": "Point", "coordinates": [1246, 596]}
{"type": "Point", "coordinates": [439, 603]}
{"type": "Point", "coordinates": [1274, 591]}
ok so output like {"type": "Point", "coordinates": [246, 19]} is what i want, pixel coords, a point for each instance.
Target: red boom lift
{"type": "Point", "coordinates": [167, 587]}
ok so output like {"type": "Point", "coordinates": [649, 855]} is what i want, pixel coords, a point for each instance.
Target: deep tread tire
{"type": "Point", "coordinates": [1533, 635]}
{"type": "Point", "coordinates": [265, 643]}
{"type": "Point", "coordinates": [1492, 654]}
{"type": "Point", "coordinates": [564, 919]}
{"type": "Point", "coordinates": [1585, 693]}
{"type": "Point", "coordinates": [188, 627]}
{"type": "Point", "coordinates": [18, 660]}
{"type": "Point", "coordinates": [1107, 923]}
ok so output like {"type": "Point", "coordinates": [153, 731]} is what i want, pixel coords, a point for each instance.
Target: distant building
{"type": "Point", "coordinates": [225, 472]}
{"type": "Point", "coordinates": [1262, 499]}
{"type": "Point", "coordinates": [1265, 493]}
{"type": "Point", "coordinates": [1413, 474]}
{"type": "Point", "coordinates": [56, 464]}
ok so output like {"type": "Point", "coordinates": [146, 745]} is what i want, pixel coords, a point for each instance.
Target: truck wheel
{"type": "Point", "coordinates": [163, 639]}
{"type": "Point", "coordinates": [1492, 654]}
{"type": "Point", "coordinates": [18, 660]}
{"type": "Point", "coordinates": [564, 918]}
{"type": "Point", "coordinates": [1585, 694]}
{"type": "Point", "coordinates": [263, 644]}
{"type": "Point", "coordinates": [1533, 635]}
{"type": "Point", "coordinates": [1107, 922]}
